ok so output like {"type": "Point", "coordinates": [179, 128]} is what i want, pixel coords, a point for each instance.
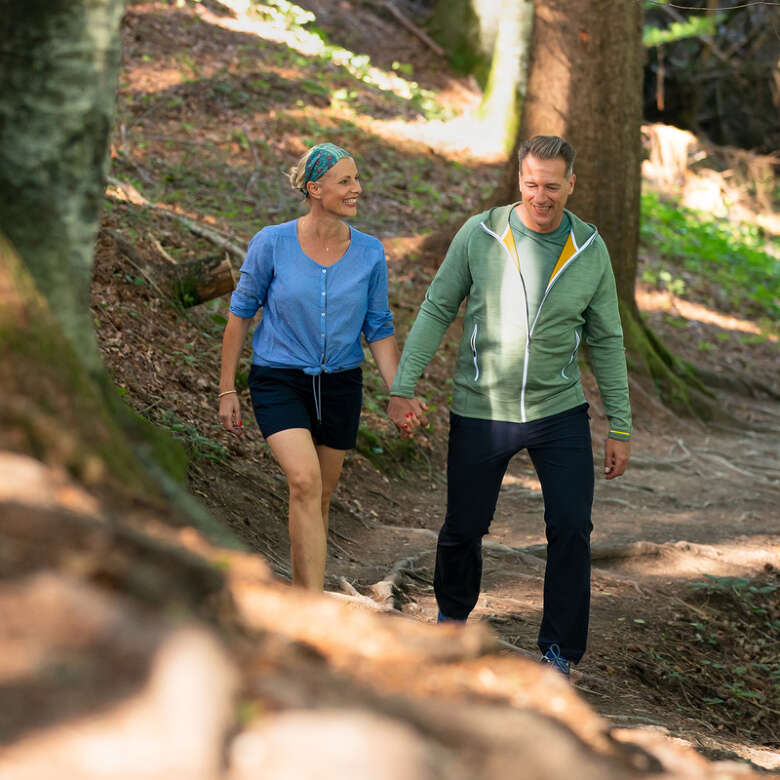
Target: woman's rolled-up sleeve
{"type": "Point", "coordinates": [378, 323]}
{"type": "Point", "coordinates": [257, 272]}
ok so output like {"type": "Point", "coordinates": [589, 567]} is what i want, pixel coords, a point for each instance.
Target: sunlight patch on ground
{"type": "Point", "coordinates": [742, 556]}
{"type": "Point", "coordinates": [465, 135]}
{"type": "Point", "coordinates": [399, 247]}
{"type": "Point", "coordinates": [656, 301]}
{"type": "Point", "coordinates": [152, 77]}
{"type": "Point", "coordinates": [277, 28]}
{"type": "Point", "coordinates": [529, 483]}
{"type": "Point", "coordinates": [125, 192]}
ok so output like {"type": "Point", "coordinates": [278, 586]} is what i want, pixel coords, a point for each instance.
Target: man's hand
{"type": "Point", "coordinates": [408, 414]}
{"type": "Point", "coordinates": [615, 457]}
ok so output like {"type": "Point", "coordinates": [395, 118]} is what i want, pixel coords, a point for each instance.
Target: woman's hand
{"type": "Point", "coordinates": [230, 413]}
{"type": "Point", "coordinates": [408, 414]}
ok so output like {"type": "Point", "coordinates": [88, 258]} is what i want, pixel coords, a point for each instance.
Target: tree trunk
{"type": "Point", "coordinates": [585, 84]}
{"type": "Point", "coordinates": [506, 84]}
{"type": "Point", "coordinates": [58, 75]}
{"type": "Point", "coordinates": [58, 72]}
{"type": "Point", "coordinates": [467, 31]}
{"type": "Point", "coordinates": [490, 39]}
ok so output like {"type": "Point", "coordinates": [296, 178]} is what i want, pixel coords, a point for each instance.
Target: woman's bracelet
{"type": "Point", "coordinates": [227, 392]}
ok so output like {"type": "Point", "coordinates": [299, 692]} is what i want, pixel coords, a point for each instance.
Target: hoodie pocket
{"type": "Point", "coordinates": [573, 355]}
{"type": "Point", "coordinates": [475, 355]}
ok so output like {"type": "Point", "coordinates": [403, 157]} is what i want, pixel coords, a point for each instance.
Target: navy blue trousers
{"type": "Point", "coordinates": [478, 456]}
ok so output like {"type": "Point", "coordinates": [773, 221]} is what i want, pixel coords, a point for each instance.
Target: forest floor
{"type": "Point", "coordinates": [685, 610]}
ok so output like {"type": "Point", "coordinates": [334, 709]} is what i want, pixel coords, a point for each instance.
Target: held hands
{"type": "Point", "coordinates": [615, 457]}
{"type": "Point", "coordinates": [408, 414]}
{"type": "Point", "coordinates": [230, 413]}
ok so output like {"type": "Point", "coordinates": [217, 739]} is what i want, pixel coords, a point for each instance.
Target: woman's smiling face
{"type": "Point", "coordinates": [338, 188]}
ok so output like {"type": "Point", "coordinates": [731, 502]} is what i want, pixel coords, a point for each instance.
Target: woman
{"type": "Point", "coordinates": [321, 283]}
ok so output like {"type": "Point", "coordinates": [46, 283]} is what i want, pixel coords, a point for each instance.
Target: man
{"type": "Point", "coordinates": [538, 282]}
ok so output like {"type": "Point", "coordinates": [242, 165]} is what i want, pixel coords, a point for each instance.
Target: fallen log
{"type": "Point", "coordinates": [129, 193]}
{"type": "Point", "coordinates": [187, 284]}
{"type": "Point", "coordinates": [198, 281]}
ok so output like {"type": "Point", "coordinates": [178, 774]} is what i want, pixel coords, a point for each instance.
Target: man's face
{"type": "Point", "coordinates": [544, 188]}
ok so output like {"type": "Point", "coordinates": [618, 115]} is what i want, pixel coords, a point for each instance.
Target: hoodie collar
{"type": "Point", "coordinates": [497, 220]}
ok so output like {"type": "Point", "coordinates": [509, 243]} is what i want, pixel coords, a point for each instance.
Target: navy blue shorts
{"type": "Point", "coordinates": [328, 404]}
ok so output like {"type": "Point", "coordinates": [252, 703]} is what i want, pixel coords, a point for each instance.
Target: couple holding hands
{"type": "Point", "coordinates": [537, 281]}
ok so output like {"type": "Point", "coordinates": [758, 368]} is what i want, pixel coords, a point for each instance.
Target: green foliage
{"type": "Point", "coordinates": [292, 14]}
{"type": "Point", "coordinates": [403, 67]}
{"type": "Point", "coordinates": [692, 27]}
{"type": "Point", "coordinates": [729, 256]}
{"type": "Point", "coordinates": [389, 454]}
{"type": "Point", "coordinates": [733, 586]}
{"type": "Point", "coordinates": [665, 280]}
{"type": "Point", "coordinates": [199, 445]}
{"type": "Point", "coordinates": [308, 38]}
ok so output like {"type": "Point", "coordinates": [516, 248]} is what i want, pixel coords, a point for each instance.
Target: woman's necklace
{"type": "Point", "coordinates": [324, 243]}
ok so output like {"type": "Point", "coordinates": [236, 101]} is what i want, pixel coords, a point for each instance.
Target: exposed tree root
{"type": "Point", "coordinates": [738, 383]}
{"type": "Point", "coordinates": [352, 596]}
{"type": "Point", "coordinates": [386, 590]}
{"type": "Point", "coordinates": [404, 529]}
{"type": "Point", "coordinates": [184, 284]}
{"type": "Point", "coordinates": [718, 458]}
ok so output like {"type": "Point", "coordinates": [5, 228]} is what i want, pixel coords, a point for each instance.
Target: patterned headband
{"type": "Point", "coordinates": [321, 159]}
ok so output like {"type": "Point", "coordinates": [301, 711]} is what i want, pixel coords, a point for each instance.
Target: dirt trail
{"type": "Point", "coordinates": [695, 502]}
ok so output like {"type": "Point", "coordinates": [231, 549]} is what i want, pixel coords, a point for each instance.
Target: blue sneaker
{"type": "Point", "coordinates": [557, 661]}
{"type": "Point", "coordinates": [444, 619]}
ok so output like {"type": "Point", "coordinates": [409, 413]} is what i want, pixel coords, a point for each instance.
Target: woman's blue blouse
{"type": "Point", "coordinates": [313, 315]}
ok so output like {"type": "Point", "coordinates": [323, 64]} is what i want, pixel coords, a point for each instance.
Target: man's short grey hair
{"type": "Point", "coordinates": [548, 147]}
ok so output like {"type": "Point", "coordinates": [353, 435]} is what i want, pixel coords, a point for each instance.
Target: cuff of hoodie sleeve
{"type": "Point", "coordinates": [619, 434]}
{"type": "Point", "coordinates": [396, 389]}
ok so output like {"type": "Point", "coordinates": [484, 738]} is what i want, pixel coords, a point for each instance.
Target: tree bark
{"type": "Point", "coordinates": [491, 40]}
{"type": "Point", "coordinates": [59, 67]}
{"type": "Point", "coordinates": [464, 28]}
{"type": "Point", "coordinates": [199, 281]}
{"type": "Point", "coordinates": [502, 101]}
{"type": "Point", "coordinates": [585, 84]}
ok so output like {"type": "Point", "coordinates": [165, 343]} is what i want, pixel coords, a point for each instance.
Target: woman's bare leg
{"type": "Point", "coordinates": [298, 457]}
{"type": "Point", "coordinates": [331, 462]}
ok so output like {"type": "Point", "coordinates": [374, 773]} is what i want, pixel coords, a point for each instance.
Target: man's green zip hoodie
{"type": "Point", "coordinates": [509, 366]}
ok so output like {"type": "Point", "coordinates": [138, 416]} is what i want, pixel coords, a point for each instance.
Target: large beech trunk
{"type": "Point", "coordinates": [585, 84]}
{"type": "Point", "coordinates": [59, 67]}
